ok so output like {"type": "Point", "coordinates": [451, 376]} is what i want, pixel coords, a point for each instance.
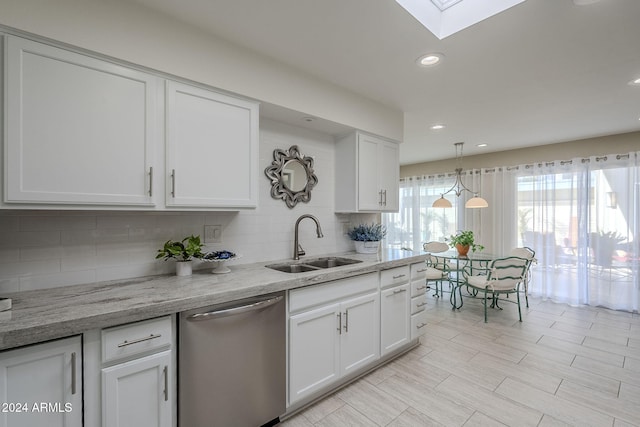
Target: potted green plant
{"type": "Point", "coordinates": [463, 241]}
{"type": "Point", "coordinates": [183, 252]}
{"type": "Point", "coordinates": [367, 237]}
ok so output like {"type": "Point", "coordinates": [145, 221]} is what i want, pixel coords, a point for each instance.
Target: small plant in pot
{"type": "Point", "coordinates": [183, 252]}
{"type": "Point", "coordinates": [463, 241]}
{"type": "Point", "coordinates": [367, 237]}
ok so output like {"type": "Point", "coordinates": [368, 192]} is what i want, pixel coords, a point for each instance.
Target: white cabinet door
{"type": "Point", "coordinates": [360, 334]}
{"type": "Point", "coordinates": [367, 174]}
{"type": "Point", "coordinates": [314, 350]}
{"type": "Point", "coordinates": [389, 176]}
{"type": "Point", "coordinates": [80, 131]}
{"type": "Point", "coordinates": [212, 148]}
{"type": "Point", "coordinates": [42, 385]}
{"type": "Point", "coordinates": [395, 317]}
{"type": "Point", "coordinates": [369, 190]}
{"type": "Point", "coordinates": [138, 393]}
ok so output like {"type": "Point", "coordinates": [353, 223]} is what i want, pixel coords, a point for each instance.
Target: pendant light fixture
{"type": "Point", "coordinates": [458, 187]}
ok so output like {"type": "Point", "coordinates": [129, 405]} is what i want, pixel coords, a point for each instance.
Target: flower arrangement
{"type": "Point", "coordinates": [185, 250]}
{"type": "Point", "coordinates": [464, 238]}
{"type": "Point", "coordinates": [367, 233]}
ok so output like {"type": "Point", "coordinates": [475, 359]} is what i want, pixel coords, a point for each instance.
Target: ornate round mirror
{"type": "Point", "coordinates": [291, 175]}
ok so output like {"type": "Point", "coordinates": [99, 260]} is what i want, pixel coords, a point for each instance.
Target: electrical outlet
{"type": "Point", "coordinates": [213, 234]}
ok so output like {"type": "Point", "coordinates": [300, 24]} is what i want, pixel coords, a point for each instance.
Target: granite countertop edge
{"type": "Point", "coordinates": [47, 314]}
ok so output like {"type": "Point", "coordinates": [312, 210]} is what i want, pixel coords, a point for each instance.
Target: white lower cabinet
{"type": "Point", "coordinates": [333, 332]}
{"type": "Point", "coordinates": [394, 317]}
{"type": "Point", "coordinates": [41, 385]}
{"type": "Point", "coordinates": [136, 393]}
{"type": "Point", "coordinates": [418, 299]}
{"type": "Point", "coordinates": [138, 374]}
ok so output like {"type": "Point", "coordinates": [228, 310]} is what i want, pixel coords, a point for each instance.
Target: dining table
{"type": "Point", "coordinates": [456, 263]}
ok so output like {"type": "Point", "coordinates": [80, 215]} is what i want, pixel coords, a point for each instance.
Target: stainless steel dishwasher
{"type": "Point", "coordinates": [232, 364]}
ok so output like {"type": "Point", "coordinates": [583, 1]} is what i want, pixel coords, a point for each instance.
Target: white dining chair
{"type": "Point", "coordinates": [528, 254]}
{"type": "Point", "coordinates": [437, 268]}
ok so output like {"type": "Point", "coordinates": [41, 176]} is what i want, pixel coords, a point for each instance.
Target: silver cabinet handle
{"type": "Point", "coordinates": [346, 321]}
{"type": "Point", "coordinates": [173, 183]}
{"type": "Point", "coordinates": [150, 181]}
{"type": "Point", "coordinates": [422, 325]}
{"type": "Point", "coordinates": [138, 340]}
{"type": "Point", "coordinates": [421, 288]}
{"type": "Point", "coordinates": [340, 323]}
{"type": "Point", "coordinates": [216, 314]}
{"type": "Point", "coordinates": [422, 304]}
{"type": "Point", "coordinates": [421, 271]}
{"type": "Point", "coordinates": [385, 197]}
{"type": "Point", "coordinates": [399, 291]}
{"type": "Point", "coordinates": [74, 376]}
{"type": "Point", "coordinates": [399, 276]}
{"type": "Point", "coordinates": [165, 373]}
{"type": "Point", "coordinates": [380, 194]}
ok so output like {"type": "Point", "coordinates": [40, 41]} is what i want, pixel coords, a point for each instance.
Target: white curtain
{"type": "Point", "coordinates": [581, 216]}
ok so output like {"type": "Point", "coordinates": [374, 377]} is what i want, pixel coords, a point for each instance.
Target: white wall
{"type": "Point", "coordinates": [127, 31]}
{"type": "Point", "coordinates": [41, 249]}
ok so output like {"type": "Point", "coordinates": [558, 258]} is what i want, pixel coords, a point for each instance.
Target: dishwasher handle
{"type": "Point", "coordinates": [216, 314]}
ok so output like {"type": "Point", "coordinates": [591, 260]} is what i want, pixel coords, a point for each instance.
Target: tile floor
{"type": "Point", "coordinates": [577, 366]}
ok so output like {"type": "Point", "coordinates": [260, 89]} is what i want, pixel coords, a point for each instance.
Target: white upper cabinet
{"type": "Point", "coordinates": [79, 130]}
{"type": "Point", "coordinates": [212, 149]}
{"type": "Point", "coordinates": [86, 133]}
{"type": "Point", "coordinates": [367, 174]}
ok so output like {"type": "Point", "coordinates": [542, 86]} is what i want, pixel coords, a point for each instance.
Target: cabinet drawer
{"type": "Point", "coordinates": [132, 339]}
{"type": "Point", "coordinates": [418, 324]}
{"type": "Point", "coordinates": [418, 287]}
{"type": "Point", "coordinates": [394, 276]}
{"type": "Point", "coordinates": [311, 296]}
{"type": "Point", "coordinates": [418, 270]}
{"type": "Point", "coordinates": [418, 303]}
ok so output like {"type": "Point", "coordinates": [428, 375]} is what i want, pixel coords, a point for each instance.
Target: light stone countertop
{"type": "Point", "coordinates": [47, 314]}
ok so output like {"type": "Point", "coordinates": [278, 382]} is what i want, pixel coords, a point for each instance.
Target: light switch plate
{"type": "Point", "coordinates": [213, 234]}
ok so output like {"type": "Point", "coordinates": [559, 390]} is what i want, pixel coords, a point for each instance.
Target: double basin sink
{"type": "Point", "coordinates": [312, 264]}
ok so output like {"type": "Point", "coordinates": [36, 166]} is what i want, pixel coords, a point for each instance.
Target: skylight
{"type": "Point", "coordinates": [446, 17]}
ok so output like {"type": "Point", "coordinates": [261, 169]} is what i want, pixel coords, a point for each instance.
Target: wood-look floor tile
{"type": "Point", "coordinates": [621, 423]}
{"type": "Point", "coordinates": [376, 404]}
{"type": "Point", "coordinates": [605, 403]}
{"type": "Point", "coordinates": [537, 350]}
{"type": "Point", "coordinates": [608, 346]}
{"type": "Point", "coordinates": [323, 408]}
{"type": "Point", "coordinates": [413, 418]}
{"type": "Point", "coordinates": [478, 419]}
{"type": "Point", "coordinates": [632, 363]}
{"type": "Point", "coordinates": [296, 421]}
{"type": "Point", "coordinates": [580, 350]}
{"type": "Point", "coordinates": [580, 376]}
{"type": "Point", "coordinates": [630, 393]}
{"type": "Point", "coordinates": [549, 421]}
{"type": "Point", "coordinates": [490, 347]}
{"type": "Point", "coordinates": [428, 401]}
{"type": "Point", "coordinates": [498, 369]}
{"type": "Point", "coordinates": [559, 408]}
{"type": "Point", "coordinates": [501, 408]}
{"type": "Point", "coordinates": [635, 343]}
{"type": "Point", "coordinates": [421, 371]}
{"type": "Point", "coordinates": [607, 370]}
{"type": "Point", "coordinates": [345, 416]}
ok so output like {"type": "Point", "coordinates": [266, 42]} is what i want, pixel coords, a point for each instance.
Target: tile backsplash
{"type": "Point", "coordinates": [46, 249]}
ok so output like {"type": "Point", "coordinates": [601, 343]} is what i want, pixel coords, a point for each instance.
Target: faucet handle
{"type": "Point", "coordinates": [301, 251]}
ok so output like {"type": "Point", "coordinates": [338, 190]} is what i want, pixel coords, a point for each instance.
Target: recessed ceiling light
{"type": "Point", "coordinates": [430, 59]}
{"type": "Point", "coordinates": [439, 126]}
{"type": "Point", "coordinates": [481, 145]}
{"type": "Point", "coordinates": [635, 82]}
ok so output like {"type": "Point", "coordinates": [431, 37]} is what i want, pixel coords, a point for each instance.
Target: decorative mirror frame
{"type": "Point", "coordinates": [275, 174]}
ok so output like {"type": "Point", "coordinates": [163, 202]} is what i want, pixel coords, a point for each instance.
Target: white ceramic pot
{"type": "Point", "coordinates": [183, 268]}
{"type": "Point", "coordinates": [367, 247]}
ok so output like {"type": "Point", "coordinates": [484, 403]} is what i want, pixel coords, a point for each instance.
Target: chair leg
{"type": "Point", "coordinates": [485, 306]}
{"type": "Point", "coordinates": [519, 312]}
{"type": "Point", "coordinates": [526, 290]}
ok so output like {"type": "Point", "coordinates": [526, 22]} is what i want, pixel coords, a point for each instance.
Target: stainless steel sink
{"type": "Point", "coordinates": [312, 264]}
{"type": "Point", "coordinates": [331, 262]}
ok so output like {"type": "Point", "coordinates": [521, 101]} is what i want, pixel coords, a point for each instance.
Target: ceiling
{"type": "Point", "coordinates": [541, 72]}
